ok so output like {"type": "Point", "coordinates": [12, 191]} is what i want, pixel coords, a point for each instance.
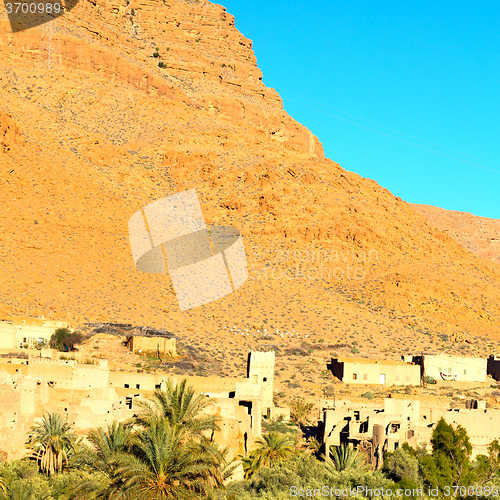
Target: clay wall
{"type": "Point", "coordinates": [90, 377]}
{"type": "Point", "coordinates": [240, 424]}
{"type": "Point", "coordinates": [147, 382]}
{"type": "Point", "coordinates": [458, 367]}
{"type": "Point", "coordinates": [25, 333]}
{"type": "Point", "coordinates": [154, 345]}
{"type": "Point", "coordinates": [376, 372]}
{"type": "Point", "coordinates": [406, 421]}
{"type": "Point", "coordinates": [91, 396]}
{"type": "Point", "coordinates": [261, 371]}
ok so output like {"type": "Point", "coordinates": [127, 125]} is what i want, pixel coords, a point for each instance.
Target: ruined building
{"type": "Point", "coordinates": [377, 428]}
{"type": "Point", "coordinates": [92, 395]}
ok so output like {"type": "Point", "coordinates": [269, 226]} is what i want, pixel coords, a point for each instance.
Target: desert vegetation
{"type": "Point", "coordinates": [167, 452]}
{"type": "Point", "coordinates": [65, 340]}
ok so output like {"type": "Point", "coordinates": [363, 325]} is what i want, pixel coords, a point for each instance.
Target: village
{"type": "Point", "coordinates": [34, 381]}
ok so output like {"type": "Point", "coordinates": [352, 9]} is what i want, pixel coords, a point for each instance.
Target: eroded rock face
{"type": "Point", "coordinates": [479, 235]}
{"type": "Point", "coordinates": [206, 62]}
{"type": "Point", "coordinates": [331, 255]}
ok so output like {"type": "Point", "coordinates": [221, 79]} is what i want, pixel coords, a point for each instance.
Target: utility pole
{"type": "Point", "coordinates": [164, 344]}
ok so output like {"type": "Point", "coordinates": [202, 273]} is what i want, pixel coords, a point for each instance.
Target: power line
{"type": "Point", "coordinates": [351, 122]}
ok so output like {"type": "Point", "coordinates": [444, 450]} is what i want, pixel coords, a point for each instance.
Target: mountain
{"type": "Point", "coordinates": [333, 256]}
{"type": "Point", "coordinates": [479, 235]}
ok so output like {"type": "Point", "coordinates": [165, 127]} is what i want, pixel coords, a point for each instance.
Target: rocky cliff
{"type": "Point", "coordinates": [333, 256]}
{"type": "Point", "coordinates": [479, 235]}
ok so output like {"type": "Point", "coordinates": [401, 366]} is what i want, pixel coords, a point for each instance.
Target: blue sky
{"type": "Point", "coordinates": [403, 93]}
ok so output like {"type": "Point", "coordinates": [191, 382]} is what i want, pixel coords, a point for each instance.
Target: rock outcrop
{"type": "Point", "coordinates": [205, 62]}
{"type": "Point", "coordinates": [479, 235]}
{"type": "Point", "coordinates": [331, 255]}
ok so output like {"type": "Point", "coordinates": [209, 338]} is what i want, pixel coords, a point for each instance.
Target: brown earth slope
{"type": "Point", "coordinates": [333, 257]}
{"type": "Point", "coordinates": [479, 235]}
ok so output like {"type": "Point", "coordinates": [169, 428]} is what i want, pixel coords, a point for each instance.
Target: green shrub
{"type": "Point", "coordinates": [368, 395]}
{"type": "Point", "coordinates": [40, 344]}
{"type": "Point", "coordinates": [63, 340]}
{"type": "Point", "coordinates": [401, 465]}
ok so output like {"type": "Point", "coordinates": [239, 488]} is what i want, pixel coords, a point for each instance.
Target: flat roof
{"type": "Point", "coordinates": [372, 361]}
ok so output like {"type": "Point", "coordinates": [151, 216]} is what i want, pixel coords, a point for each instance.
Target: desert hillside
{"type": "Point", "coordinates": [479, 235]}
{"type": "Point", "coordinates": [334, 259]}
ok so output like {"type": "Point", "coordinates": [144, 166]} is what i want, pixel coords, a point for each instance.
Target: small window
{"type": "Point", "coordinates": [397, 377]}
{"type": "Point", "coordinates": [126, 386]}
{"type": "Point", "coordinates": [440, 369]}
{"type": "Point", "coordinates": [365, 376]}
{"type": "Point", "coordinates": [477, 372]}
{"type": "Point", "coordinates": [449, 371]}
{"type": "Point", "coordinates": [157, 386]}
{"type": "Point", "coordinates": [407, 378]}
{"type": "Point", "coordinates": [264, 379]}
{"type": "Point", "coordinates": [465, 372]}
{"type": "Point", "coordinates": [356, 415]}
{"type": "Point", "coordinates": [355, 376]}
{"type": "Point", "coordinates": [137, 386]}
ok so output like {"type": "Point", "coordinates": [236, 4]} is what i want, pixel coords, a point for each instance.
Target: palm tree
{"type": "Point", "coordinates": [163, 453]}
{"type": "Point", "coordinates": [313, 445]}
{"type": "Point", "coordinates": [345, 457]}
{"type": "Point", "coordinates": [105, 445]}
{"type": "Point", "coordinates": [101, 457]}
{"type": "Point", "coordinates": [3, 484]}
{"type": "Point", "coordinates": [183, 409]}
{"type": "Point", "coordinates": [270, 448]}
{"type": "Point", "coordinates": [299, 412]}
{"type": "Point", "coordinates": [51, 440]}
{"type": "Point", "coordinates": [164, 465]}
{"type": "Point", "coordinates": [17, 490]}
